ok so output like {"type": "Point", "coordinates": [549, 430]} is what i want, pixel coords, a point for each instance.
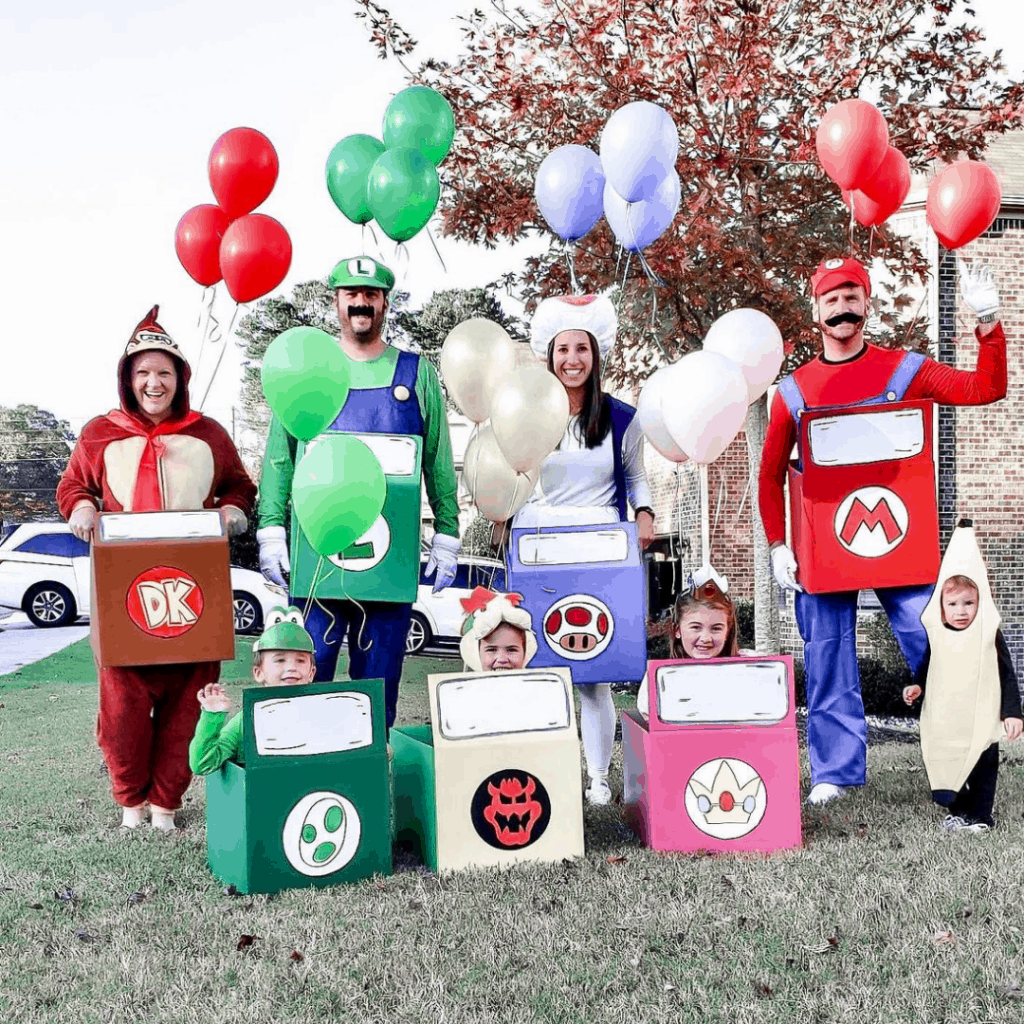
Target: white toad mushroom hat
{"type": "Point", "coordinates": [594, 314]}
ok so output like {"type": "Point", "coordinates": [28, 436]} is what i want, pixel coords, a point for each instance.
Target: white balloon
{"type": "Point", "coordinates": [705, 404]}
{"type": "Point", "coordinates": [529, 414]}
{"type": "Point", "coordinates": [652, 419]}
{"type": "Point", "coordinates": [639, 145]}
{"type": "Point", "coordinates": [751, 340]}
{"type": "Point", "coordinates": [497, 489]}
{"type": "Point", "coordinates": [475, 353]}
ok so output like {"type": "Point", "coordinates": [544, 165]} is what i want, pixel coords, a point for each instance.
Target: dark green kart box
{"type": "Point", "coordinates": [311, 806]}
{"type": "Point", "coordinates": [384, 563]}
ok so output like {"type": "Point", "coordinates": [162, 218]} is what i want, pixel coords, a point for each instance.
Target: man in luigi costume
{"type": "Point", "coordinates": [391, 392]}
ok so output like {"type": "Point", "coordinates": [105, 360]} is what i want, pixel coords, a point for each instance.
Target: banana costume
{"type": "Point", "coordinates": [960, 717]}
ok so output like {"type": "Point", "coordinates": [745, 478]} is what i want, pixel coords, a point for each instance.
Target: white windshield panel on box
{"type": "Point", "coordinates": [735, 692]}
{"type": "Point", "coordinates": [160, 525]}
{"type": "Point", "coordinates": [580, 547]}
{"type": "Point", "coordinates": [500, 703]}
{"type": "Point", "coordinates": [396, 454]}
{"type": "Point", "coordinates": [858, 438]}
{"type": "Point", "coordinates": [320, 723]}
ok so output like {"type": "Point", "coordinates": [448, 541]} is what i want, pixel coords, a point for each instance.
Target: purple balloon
{"type": "Point", "coordinates": [638, 224]}
{"type": "Point", "coordinates": [569, 190]}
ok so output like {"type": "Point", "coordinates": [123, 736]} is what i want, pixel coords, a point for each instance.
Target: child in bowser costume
{"type": "Point", "coordinates": [390, 392]}
{"type": "Point", "coordinates": [281, 656]}
{"type": "Point", "coordinates": [152, 454]}
{"type": "Point", "coordinates": [850, 372]}
{"type": "Point", "coordinates": [497, 634]}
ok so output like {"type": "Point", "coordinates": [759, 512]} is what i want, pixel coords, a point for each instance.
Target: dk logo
{"type": "Point", "coordinates": [164, 601]}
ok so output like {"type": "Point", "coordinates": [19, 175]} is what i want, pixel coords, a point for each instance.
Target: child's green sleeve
{"type": "Point", "coordinates": [214, 742]}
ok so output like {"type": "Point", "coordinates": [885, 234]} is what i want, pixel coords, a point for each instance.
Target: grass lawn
{"type": "Point", "coordinates": [879, 917]}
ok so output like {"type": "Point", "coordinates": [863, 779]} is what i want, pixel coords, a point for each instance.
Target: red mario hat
{"type": "Point", "coordinates": [835, 272]}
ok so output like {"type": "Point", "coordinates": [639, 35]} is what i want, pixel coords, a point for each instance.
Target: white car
{"type": "Point", "coordinates": [438, 617]}
{"type": "Point", "coordinates": [44, 572]}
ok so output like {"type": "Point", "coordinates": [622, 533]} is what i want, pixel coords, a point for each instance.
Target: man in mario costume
{"type": "Point", "coordinates": [850, 373]}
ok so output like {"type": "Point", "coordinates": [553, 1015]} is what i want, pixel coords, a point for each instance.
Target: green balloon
{"type": "Point", "coordinates": [337, 492]}
{"type": "Point", "coordinates": [305, 379]}
{"type": "Point", "coordinates": [420, 118]}
{"type": "Point", "coordinates": [402, 192]}
{"type": "Point", "coordinates": [347, 167]}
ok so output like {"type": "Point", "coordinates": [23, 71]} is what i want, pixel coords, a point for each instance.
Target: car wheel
{"type": "Point", "coordinates": [49, 605]}
{"type": "Point", "coordinates": [419, 634]}
{"type": "Point", "coordinates": [248, 615]}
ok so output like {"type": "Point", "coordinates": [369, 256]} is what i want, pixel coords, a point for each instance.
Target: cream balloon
{"type": "Point", "coordinates": [649, 411]}
{"type": "Point", "coordinates": [475, 352]}
{"type": "Point", "coordinates": [705, 404]}
{"type": "Point", "coordinates": [752, 341]}
{"type": "Point", "coordinates": [498, 491]}
{"type": "Point", "coordinates": [529, 414]}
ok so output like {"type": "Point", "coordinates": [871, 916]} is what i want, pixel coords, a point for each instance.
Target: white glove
{"type": "Point", "coordinates": [444, 557]}
{"type": "Point", "coordinates": [274, 562]}
{"type": "Point", "coordinates": [235, 521]}
{"type": "Point", "coordinates": [784, 568]}
{"type": "Point", "coordinates": [978, 288]}
{"type": "Point", "coordinates": [83, 520]}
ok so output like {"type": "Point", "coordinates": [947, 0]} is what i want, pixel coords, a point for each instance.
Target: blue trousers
{"type": "Point", "coordinates": [836, 730]}
{"type": "Point", "coordinates": [376, 641]}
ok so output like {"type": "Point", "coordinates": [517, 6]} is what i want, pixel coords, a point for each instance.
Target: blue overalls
{"type": "Point", "coordinates": [376, 629]}
{"type": "Point", "coordinates": [836, 729]}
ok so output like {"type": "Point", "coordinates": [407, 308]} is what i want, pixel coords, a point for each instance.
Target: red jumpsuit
{"type": "Point", "coordinates": [122, 462]}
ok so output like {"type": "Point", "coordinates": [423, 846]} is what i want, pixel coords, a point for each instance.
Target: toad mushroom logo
{"type": "Point", "coordinates": [578, 627]}
{"type": "Point", "coordinates": [510, 809]}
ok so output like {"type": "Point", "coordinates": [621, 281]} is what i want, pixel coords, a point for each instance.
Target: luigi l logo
{"type": "Point", "coordinates": [510, 809]}
{"type": "Point", "coordinates": [871, 522]}
{"type": "Point", "coordinates": [164, 601]}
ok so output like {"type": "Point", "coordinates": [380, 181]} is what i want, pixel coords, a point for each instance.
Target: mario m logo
{"type": "Point", "coordinates": [871, 522]}
{"type": "Point", "coordinates": [165, 602]}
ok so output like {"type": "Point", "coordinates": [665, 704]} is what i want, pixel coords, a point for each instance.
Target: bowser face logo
{"type": "Point", "coordinates": [510, 809]}
{"type": "Point", "coordinates": [871, 522]}
{"type": "Point", "coordinates": [321, 834]}
{"type": "Point", "coordinates": [726, 798]}
{"type": "Point", "coordinates": [164, 602]}
{"type": "Point", "coordinates": [579, 627]}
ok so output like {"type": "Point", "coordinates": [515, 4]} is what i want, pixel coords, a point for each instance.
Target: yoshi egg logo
{"type": "Point", "coordinates": [578, 627]}
{"type": "Point", "coordinates": [321, 834]}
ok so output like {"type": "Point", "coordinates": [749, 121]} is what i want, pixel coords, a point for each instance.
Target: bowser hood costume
{"type": "Point", "coordinates": [960, 717]}
{"type": "Point", "coordinates": [485, 612]}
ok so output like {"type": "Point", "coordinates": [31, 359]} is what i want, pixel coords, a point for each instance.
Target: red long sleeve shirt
{"type": "Point", "coordinates": [824, 383]}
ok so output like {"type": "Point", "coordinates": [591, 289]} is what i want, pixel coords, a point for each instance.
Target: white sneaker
{"type": "Point", "coordinates": [598, 792]}
{"type": "Point", "coordinates": [162, 819]}
{"type": "Point", "coordinates": [133, 817]}
{"type": "Point", "coordinates": [823, 792]}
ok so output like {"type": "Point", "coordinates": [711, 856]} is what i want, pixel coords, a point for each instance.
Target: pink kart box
{"type": "Point", "coordinates": [716, 766]}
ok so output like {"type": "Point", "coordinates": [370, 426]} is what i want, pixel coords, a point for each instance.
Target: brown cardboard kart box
{"type": "Point", "coordinates": [161, 589]}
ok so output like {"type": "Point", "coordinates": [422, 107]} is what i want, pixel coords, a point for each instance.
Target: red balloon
{"type": "Point", "coordinates": [963, 201]}
{"type": "Point", "coordinates": [851, 142]}
{"type": "Point", "coordinates": [255, 254]}
{"type": "Point", "coordinates": [197, 242]}
{"type": "Point", "coordinates": [881, 197]}
{"type": "Point", "coordinates": [243, 169]}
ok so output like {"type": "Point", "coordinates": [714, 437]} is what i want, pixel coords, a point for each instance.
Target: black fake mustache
{"type": "Point", "coordinates": [844, 318]}
{"type": "Point", "coordinates": [360, 311]}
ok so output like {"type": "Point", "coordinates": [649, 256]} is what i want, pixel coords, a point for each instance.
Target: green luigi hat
{"type": "Point", "coordinates": [284, 631]}
{"type": "Point", "coordinates": [361, 270]}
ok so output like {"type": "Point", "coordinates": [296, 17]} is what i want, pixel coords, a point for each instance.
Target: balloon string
{"type": "Point", "coordinates": [871, 241]}
{"type": "Point", "coordinates": [220, 356]}
{"type": "Point", "coordinates": [625, 278]}
{"type": "Point", "coordinates": [434, 244]}
{"type": "Point", "coordinates": [618, 261]}
{"type": "Point", "coordinates": [570, 258]}
{"type": "Point", "coordinates": [210, 330]}
{"type": "Point", "coordinates": [853, 221]}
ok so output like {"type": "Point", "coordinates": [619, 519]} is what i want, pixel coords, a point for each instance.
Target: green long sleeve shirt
{"type": "Point", "coordinates": [217, 739]}
{"type": "Point", "coordinates": [438, 463]}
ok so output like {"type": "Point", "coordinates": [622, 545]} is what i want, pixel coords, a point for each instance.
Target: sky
{"type": "Point", "coordinates": [108, 120]}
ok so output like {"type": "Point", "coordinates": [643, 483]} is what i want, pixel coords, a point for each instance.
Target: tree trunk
{"type": "Point", "coordinates": [766, 608]}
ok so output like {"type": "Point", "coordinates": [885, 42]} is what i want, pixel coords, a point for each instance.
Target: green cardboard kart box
{"type": "Point", "coordinates": [384, 563]}
{"type": "Point", "coordinates": [311, 806]}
